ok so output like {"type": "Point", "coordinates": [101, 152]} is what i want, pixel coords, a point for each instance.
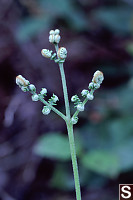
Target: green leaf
{"type": "Point", "coordinates": [55, 146]}
{"type": "Point", "coordinates": [102, 162]}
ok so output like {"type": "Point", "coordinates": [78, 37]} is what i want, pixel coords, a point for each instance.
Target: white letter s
{"type": "Point", "coordinates": [125, 190]}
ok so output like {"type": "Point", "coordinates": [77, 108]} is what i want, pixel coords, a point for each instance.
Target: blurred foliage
{"type": "Point", "coordinates": [105, 148]}
{"type": "Point", "coordinates": [98, 34]}
{"type": "Point", "coordinates": [55, 146]}
{"type": "Point", "coordinates": [51, 145]}
{"type": "Point", "coordinates": [101, 162]}
{"type": "Point", "coordinates": [129, 47]}
{"type": "Point", "coordinates": [31, 26]}
{"type": "Point", "coordinates": [117, 19]}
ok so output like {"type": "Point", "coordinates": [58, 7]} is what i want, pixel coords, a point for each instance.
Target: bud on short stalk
{"type": "Point", "coordinates": [80, 107]}
{"type": "Point", "coordinates": [35, 97]}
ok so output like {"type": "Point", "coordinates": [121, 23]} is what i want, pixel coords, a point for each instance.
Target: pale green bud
{"type": "Point", "coordinates": [80, 107]}
{"type": "Point", "coordinates": [96, 85]}
{"type": "Point", "coordinates": [74, 98]}
{"type": "Point", "coordinates": [91, 85]}
{"type": "Point", "coordinates": [32, 88]}
{"type": "Point", "coordinates": [74, 120]}
{"type": "Point", "coordinates": [51, 38]}
{"type": "Point", "coordinates": [55, 98]}
{"type": "Point", "coordinates": [62, 53]}
{"type": "Point", "coordinates": [51, 32]}
{"type": "Point", "coordinates": [57, 32]}
{"type": "Point", "coordinates": [21, 81]}
{"type": "Point", "coordinates": [57, 39]}
{"type": "Point", "coordinates": [98, 77]}
{"type": "Point", "coordinates": [35, 97]}
{"type": "Point", "coordinates": [90, 96]}
{"type": "Point", "coordinates": [24, 89]}
{"type": "Point", "coordinates": [43, 91]}
{"type": "Point", "coordinates": [46, 53]}
{"type": "Point", "coordinates": [46, 110]}
{"type": "Point", "coordinates": [84, 92]}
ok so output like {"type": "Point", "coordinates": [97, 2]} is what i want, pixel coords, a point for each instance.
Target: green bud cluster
{"type": "Point", "coordinates": [76, 100]}
{"type": "Point", "coordinates": [52, 101]}
{"type": "Point", "coordinates": [93, 86]}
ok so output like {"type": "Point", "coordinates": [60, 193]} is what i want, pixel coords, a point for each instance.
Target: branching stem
{"type": "Point", "coordinates": [41, 98]}
{"type": "Point", "coordinates": [84, 102]}
{"type": "Point", "coordinates": [52, 108]}
{"type": "Point", "coordinates": [70, 132]}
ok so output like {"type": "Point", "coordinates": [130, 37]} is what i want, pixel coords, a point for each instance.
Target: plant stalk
{"type": "Point", "coordinates": [65, 91]}
{"type": "Point", "coordinates": [70, 135]}
{"type": "Point", "coordinates": [74, 160]}
{"type": "Point", "coordinates": [70, 132]}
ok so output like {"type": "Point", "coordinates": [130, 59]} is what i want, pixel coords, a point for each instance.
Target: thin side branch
{"type": "Point", "coordinates": [52, 108]}
{"type": "Point", "coordinates": [84, 102]}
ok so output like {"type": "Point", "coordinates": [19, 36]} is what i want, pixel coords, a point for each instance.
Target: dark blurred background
{"type": "Point", "coordinates": [35, 162]}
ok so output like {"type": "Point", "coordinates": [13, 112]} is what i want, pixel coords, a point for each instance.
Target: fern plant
{"type": "Point", "coordinates": [59, 57]}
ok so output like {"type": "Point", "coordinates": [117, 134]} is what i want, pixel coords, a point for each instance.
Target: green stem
{"type": "Point", "coordinates": [70, 132]}
{"type": "Point", "coordinates": [63, 78]}
{"type": "Point", "coordinates": [56, 47]}
{"type": "Point", "coordinates": [74, 160]}
{"type": "Point", "coordinates": [65, 90]}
